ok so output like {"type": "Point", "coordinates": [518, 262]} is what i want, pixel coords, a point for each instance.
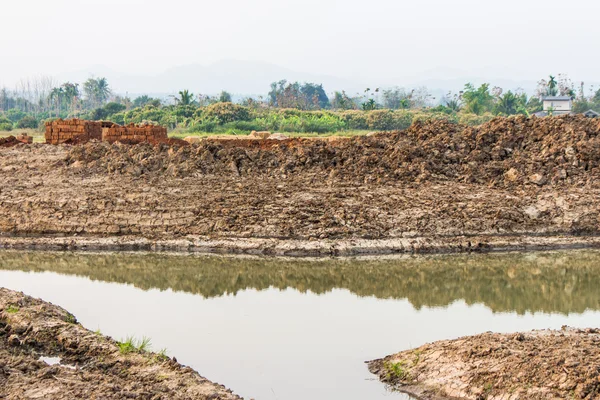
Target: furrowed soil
{"type": "Point", "coordinates": [513, 183]}
{"type": "Point", "coordinates": [538, 365]}
{"type": "Point", "coordinates": [86, 364]}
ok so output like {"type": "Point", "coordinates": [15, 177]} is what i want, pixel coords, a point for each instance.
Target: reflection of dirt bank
{"type": "Point", "coordinates": [511, 184]}
{"type": "Point", "coordinates": [538, 365]}
{"type": "Point", "coordinates": [551, 282]}
{"type": "Point", "coordinates": [90, 365]}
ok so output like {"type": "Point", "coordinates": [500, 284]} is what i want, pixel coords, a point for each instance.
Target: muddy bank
{"type": "Point", "coordinates": [534, 365]}
{"type": "Point", "coordinates": [513, 183]}
{"type": "Point", "coordinates": [304, 248]}
{"type": "Point", "coordinates": [89, 364]}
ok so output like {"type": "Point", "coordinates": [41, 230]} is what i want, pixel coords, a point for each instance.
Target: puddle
{"type": "Point", "coordinates": [297, 329]}
{"type": "Point", "coordinates": [55, 361]}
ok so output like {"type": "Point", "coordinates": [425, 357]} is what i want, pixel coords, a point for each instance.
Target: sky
{"type": "Point", "coordinates": [393, 40]}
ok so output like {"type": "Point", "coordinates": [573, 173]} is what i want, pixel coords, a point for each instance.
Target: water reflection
{"type": "Point", "coordinates": [552, 282]}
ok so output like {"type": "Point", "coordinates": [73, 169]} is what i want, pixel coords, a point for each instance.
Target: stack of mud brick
{"type": "Point", "coordinates": [132, 134]}
{"type": "Point", "coordinates": [25, 138]}
{"type": "Point", "coordinates": [72, 131]}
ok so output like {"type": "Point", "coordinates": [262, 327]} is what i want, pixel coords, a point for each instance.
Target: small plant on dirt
{"type": "Point", "coordinates": [70, 318]}
{"type": "Point", "coordinates": [12, 309]}
{"type": "Point", "coordinates": [97, 332]}
{"type": "Point", "coordinates": [417, 354]}
{"type": "Point", "coordinates": [132, 345]}
{"type": "Point", "coordinates": [127, 346]}
{"type": "Point", "coordinates": [144, 344]}
{"type": "Point", "coordinates": [163, 353]}
{"type": "Point", "coordinates": [397, 371]}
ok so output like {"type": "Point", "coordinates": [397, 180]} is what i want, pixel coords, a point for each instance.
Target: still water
{"type": "Point", "coordinates": [301, 329]}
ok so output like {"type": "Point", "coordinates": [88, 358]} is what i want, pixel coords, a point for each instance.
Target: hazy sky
{"type": "Point", "coordinates": [391, 39]}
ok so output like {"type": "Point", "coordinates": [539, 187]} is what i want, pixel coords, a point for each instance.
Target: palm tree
{"type": "Point", "coordinates": [97, 91]}
{"type": "Point", "coordinates": [507, 104]}
{"type": "Point", "coordinates": [552, 87]}
{"type": "Point", "coordinates": [102, 90]}
{"type": "Point", "coordinates": [56, 95]}
{"type": "Point", "coordinates": [185, 98]}
{"type": "Point", "coordinates": [71, 93]}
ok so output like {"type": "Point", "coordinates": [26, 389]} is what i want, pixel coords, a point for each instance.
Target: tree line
{"type": "Point", "coordinates": [34, 101]}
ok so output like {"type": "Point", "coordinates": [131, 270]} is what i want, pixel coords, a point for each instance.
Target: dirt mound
{"type": "Point", "coordinates": [536, 365]}
{"type": "Point", "coordinates": [504, 152]}
{"type": "Point", "coordinates": [88, 365]}
{"type": "Point", "coordinates": [9, 141]}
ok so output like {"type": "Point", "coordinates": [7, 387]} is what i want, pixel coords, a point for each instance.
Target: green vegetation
{"type": "Point", "coordinates": [133, 345]}
{"type": "Point", "coordinates": [290, 107]}
{"type": "Point", "coordinates": [162, 354]}
{"type": "Point", "coordinates": [70, 318]}
{"type": "Point", "coordinates": [12, 309]}
{"type": "Point", "coordinates": [397, 371]}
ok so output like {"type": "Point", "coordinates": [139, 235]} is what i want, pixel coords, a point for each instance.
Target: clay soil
{"type": "Point", "coordinates": [91, 365]}
{"type": "Point", "coordinates": [538, 365]}
{"type": "Point", "coordinates": [513, 183]}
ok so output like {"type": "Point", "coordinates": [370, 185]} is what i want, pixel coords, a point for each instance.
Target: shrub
{"type": "Point", "coordinates": [226, 112]}
{"type": "Point", "coordinates": [389, 120]}
{"type": "Point", "coordinates": [204, 126]}
{"type": "Point", "coordinates": [13, 115]}
{"type": "Point", "coordinates": [474, 120]}
{"type": "Point", "coordinates": [27, 122]}
{"type": "Point", "coordinates": [245, 126]}
{"type": "Point", "coordinates": [355, 119]}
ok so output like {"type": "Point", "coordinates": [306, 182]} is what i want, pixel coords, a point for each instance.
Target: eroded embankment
{"type": "Point", "coordinates": [513, 183]}
{"type": "Point", "coordinates": [91, 365]}
{"type": "Point", "coordinates": [538, 365]}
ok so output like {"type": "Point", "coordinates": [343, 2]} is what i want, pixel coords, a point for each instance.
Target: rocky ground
{"type": "Point", "coordinates": [538, 365]}
{"type": "Point", "coordinates": [513, 183]}
{"type": "Point", "coordinates": [85, 364]}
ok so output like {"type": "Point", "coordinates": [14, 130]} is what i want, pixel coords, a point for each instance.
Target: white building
{"type": "Point", "coordinates": [556, 105]}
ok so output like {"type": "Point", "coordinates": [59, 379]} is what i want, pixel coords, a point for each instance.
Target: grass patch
{"type": "Point", "coordinates": [12, 309]}
{"type": "Point", "coordinates": [397, 371]}
{"type": "Point", "coordinates": [133, 345]}
{"type": "Point", "coordinates": [70, 318]}
{"type": "Point", "coordinates": [163, 353]}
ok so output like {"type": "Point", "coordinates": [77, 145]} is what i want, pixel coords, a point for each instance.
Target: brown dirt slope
{"type": "Point", "coordinates": [503, 152]}
{"type": "Point", "coordinates": [421, 190]}
{"type": "Point", "coordinates": [539, 365]}
{"type": "Point", "coordinates": [91, 366]}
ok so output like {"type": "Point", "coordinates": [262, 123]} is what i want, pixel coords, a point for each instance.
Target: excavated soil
{"type": "Point", "coordinates": [513, 183]}
{"type": "Point", "coordinates": [538, 365]}
{"type": "Point", "coordinates": [86, 364]}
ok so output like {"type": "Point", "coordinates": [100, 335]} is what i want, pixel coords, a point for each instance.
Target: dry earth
{"type": "Point", "coordinates": [538, 365]}
{"type": "Point", "coordinates": [513, 183]}
{"type": "Point", "coordinates": [91, 365]}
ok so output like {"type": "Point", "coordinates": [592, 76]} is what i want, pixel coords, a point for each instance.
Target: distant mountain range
{"type": "Point", "coordinates": [252, 78]}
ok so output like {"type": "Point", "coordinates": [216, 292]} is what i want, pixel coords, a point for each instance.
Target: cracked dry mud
{"type": "Point", "coordinates": [513, 183]}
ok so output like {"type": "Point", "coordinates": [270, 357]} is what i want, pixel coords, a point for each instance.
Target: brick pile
{"type": "Point", "coordinates": [132, 134]}
{"type": "Point", "coordinates": [72, 131]}
{"type": "Point", "coordinates": [24, 138]}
